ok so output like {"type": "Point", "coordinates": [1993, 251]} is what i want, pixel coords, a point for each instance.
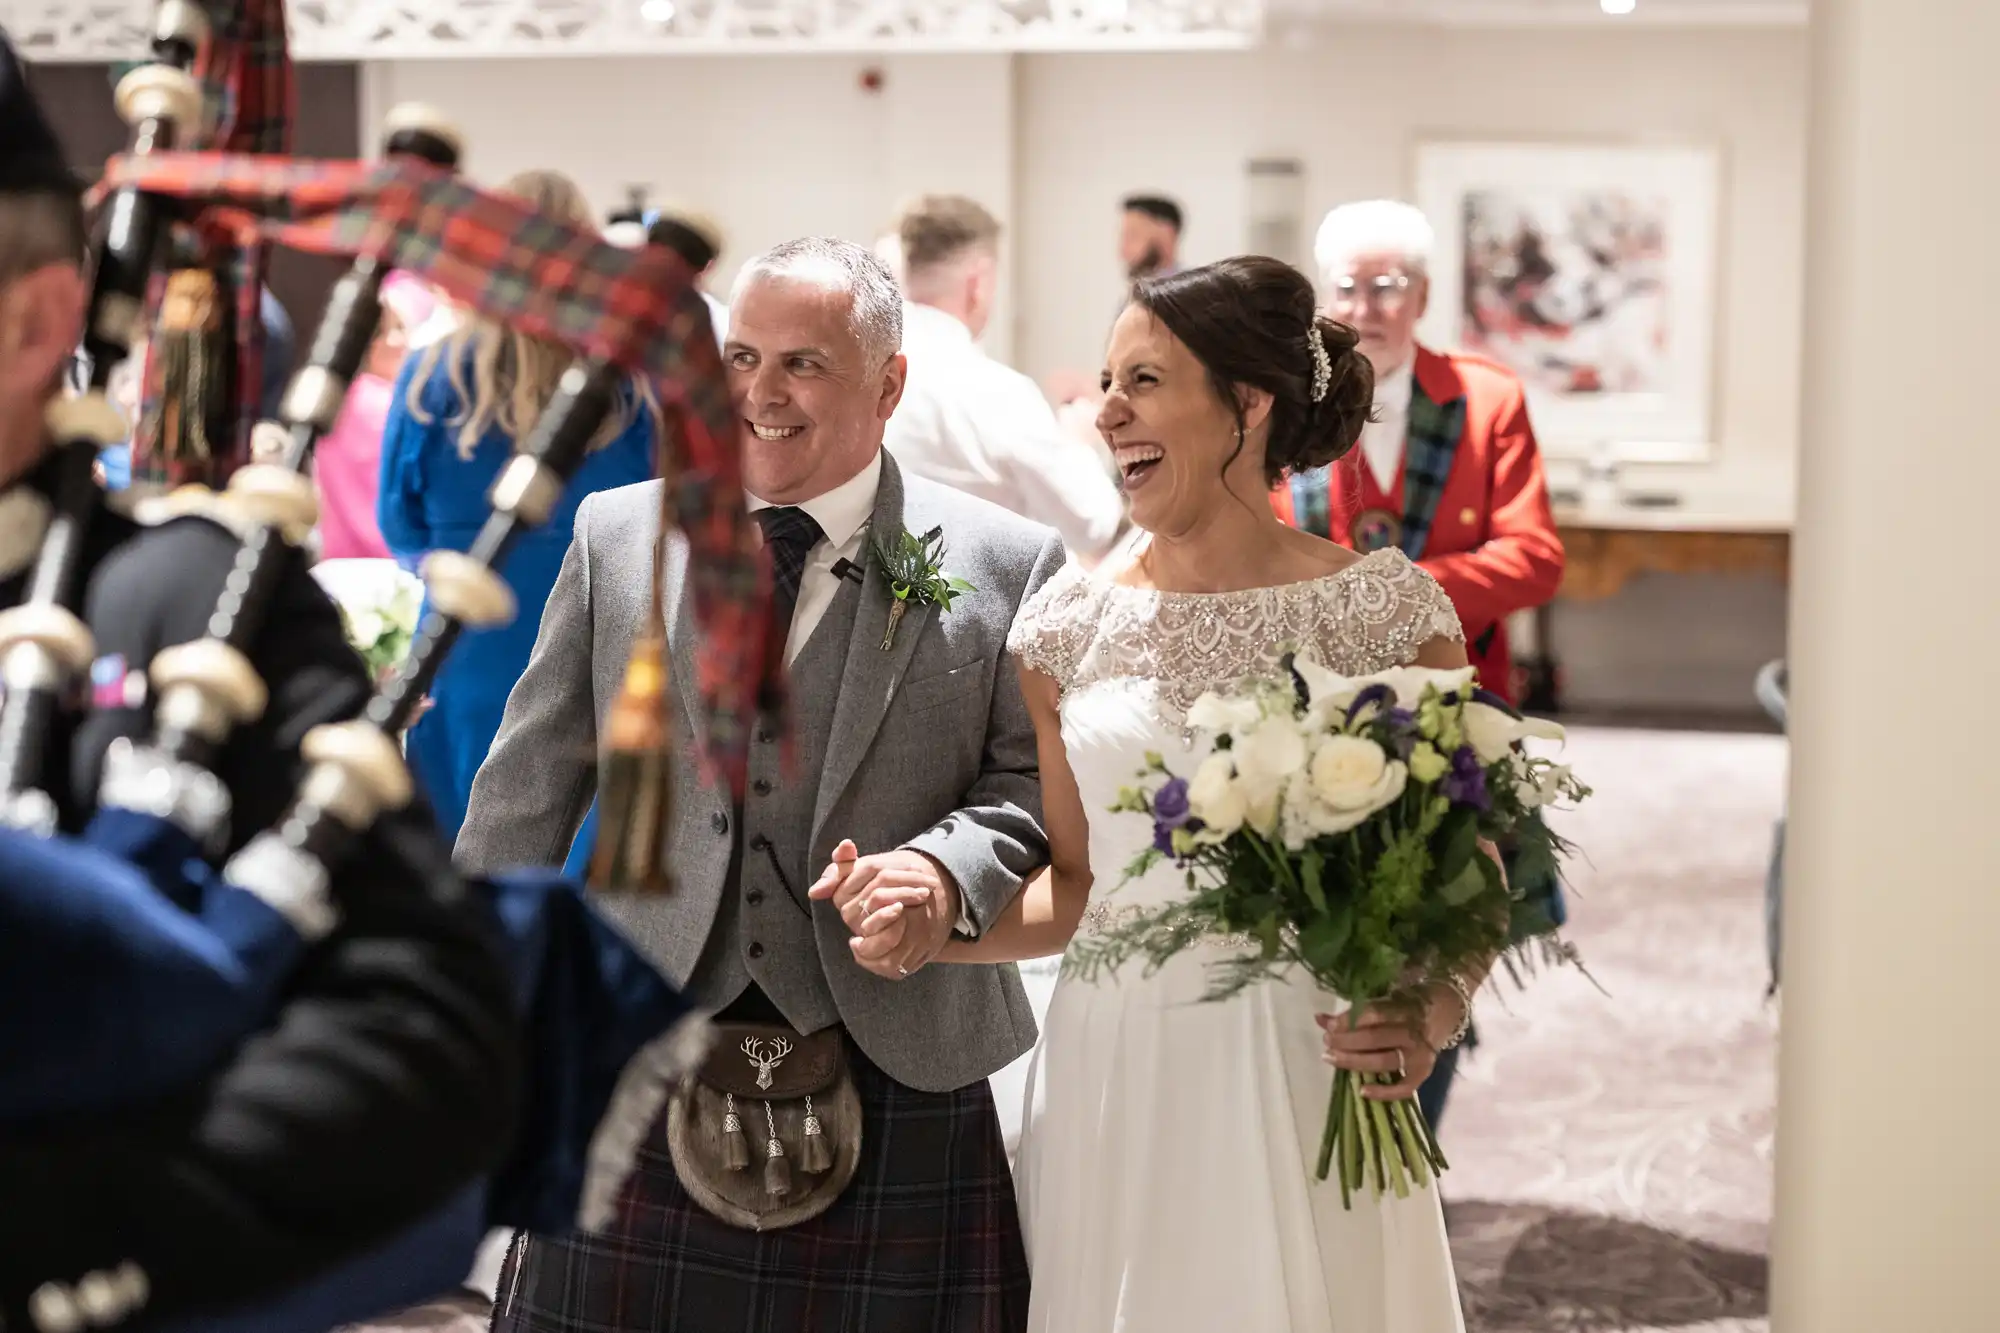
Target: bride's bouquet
{"type": "Point", "coordinates": [1344, 825]}
{"type": "Point", "coordinates": [379, 606]}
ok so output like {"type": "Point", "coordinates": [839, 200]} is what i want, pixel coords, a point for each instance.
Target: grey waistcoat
{"type": "Point", "coordinates": [762, 930]}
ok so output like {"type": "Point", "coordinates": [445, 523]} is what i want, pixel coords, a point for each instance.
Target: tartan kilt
{"type": "Point", "coordinates": [926, 1239]}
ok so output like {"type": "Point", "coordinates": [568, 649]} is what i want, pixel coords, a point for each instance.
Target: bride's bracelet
{"type": "Point", "coordinates": [1465, 1009]}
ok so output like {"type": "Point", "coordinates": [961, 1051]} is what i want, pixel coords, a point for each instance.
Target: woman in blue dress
{"type": "Point", "coordinates": [461, 408]}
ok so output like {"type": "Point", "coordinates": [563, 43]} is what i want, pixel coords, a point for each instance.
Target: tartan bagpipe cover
{"type": "Point", "coordinates": [639, 309]}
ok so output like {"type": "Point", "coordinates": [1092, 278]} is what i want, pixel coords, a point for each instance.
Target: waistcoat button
{"type": "Point", "coordinates": [719, 822]}
{"type": "Point", "coordinates": [755, 950]}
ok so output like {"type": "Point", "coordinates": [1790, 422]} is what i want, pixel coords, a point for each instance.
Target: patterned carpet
{"type": "Point", "coordinates": [1612, 1156]}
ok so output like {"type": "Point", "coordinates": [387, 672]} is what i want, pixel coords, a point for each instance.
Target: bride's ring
{"type": "Point", "coordinates": [904, 970]}
{"type": "Point", "coordinates": [1402, 1066]}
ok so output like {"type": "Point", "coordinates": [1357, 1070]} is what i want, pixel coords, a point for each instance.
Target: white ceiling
{"type": "Point", "coordinates": [1303, 15]}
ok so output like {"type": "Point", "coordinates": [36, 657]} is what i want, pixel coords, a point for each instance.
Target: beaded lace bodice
{"type": "Point", "coordinates": [1131, 661]}
{"type": "Point", "coordinates": [1374, 614]}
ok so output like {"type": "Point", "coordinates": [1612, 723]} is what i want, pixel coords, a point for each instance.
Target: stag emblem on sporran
{"type": "Point", "coordinates": [765, 1057]}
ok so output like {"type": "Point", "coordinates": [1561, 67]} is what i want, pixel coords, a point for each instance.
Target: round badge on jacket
{"type": "Point", "coordinates": [1374, 529]}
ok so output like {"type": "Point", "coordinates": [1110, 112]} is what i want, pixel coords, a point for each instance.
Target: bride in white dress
{"type": "Point", "coordinates": [1165, 1165]}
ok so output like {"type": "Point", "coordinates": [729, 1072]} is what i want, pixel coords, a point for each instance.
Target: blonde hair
{"type": "Point", "coordinates": [514, 374]}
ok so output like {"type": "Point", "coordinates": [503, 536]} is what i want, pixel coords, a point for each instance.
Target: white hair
{"type": "Point", "coordinates": [1373, 226]}
{"type": "Point", "coordinates": [877, 310]}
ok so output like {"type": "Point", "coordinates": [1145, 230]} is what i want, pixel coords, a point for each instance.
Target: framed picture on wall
{"type": "Point", "coordinates": [1590, 272]}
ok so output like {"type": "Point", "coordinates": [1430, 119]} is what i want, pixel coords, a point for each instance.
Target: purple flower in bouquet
{"type": "Point", "coordinates": [1372, 696]}
{"type": "Point", "coordinates": [1465, 784]}
{"type": "Point", "coordinates": [1170, 812]}
{"type": "Point", "coordinates": [1403, 732]}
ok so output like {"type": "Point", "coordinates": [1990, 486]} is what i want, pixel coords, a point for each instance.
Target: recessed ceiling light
{"type": "Point", "coordinates": [662, 11]}
{"type": "Point", "coordinates": [1617, 6]}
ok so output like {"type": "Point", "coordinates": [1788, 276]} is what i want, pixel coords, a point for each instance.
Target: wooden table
{"type": "Point", "coordinates": [1605, 548]}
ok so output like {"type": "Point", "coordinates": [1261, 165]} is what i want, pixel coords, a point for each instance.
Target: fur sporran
{"type": "Point", "coordinates": [768, 1133]}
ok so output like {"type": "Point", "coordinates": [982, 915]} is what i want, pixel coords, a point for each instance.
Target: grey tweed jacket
{"type": "Point", "coordinates": [931, 748]}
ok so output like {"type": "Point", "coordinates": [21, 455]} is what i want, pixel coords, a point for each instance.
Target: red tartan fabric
{"type": "Point", "coordinates": [245, 72]}
{"type": "Point", "coordinates": [637, 308]}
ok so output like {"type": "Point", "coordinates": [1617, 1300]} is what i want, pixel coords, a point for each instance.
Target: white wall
{"type": "Point", "coordinates": [773, 147]}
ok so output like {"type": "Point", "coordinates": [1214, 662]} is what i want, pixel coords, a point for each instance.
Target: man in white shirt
{"type": "Point", "coordinates": [968, 422]}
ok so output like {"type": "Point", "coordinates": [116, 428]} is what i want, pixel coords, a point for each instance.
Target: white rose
{"type": "Point", "coordinates": [1214, 796]}
{"type": "Point", "coordinates": [1347, 770]}
{"type": "Point", "coordinates": [1216, 714]}
{"type": "Point", "coordinates": [1273, 751]}
{"type": "Point", "coordinates": [405, 603]}
{"type": "Point", "coordinates": [1263, 813]}
{"type": "Point", "coordinates": [366, 625]}
{"type": "Point", "coordinates": [1352, 778]}
{"type": "Point", "coordinates": [1494, 732]}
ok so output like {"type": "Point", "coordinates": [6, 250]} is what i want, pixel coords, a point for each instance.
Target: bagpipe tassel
{"type": "Point", "coordinates": [191, 357]}
{"type": "Point", "coordinates": [777, 1171]}
{"type": "Point", "coordinates": [735, 1145]}
{"type": "Point", "coordinates": [633, 808]}
{"type": "Point", "coordinates": [815, 1156]}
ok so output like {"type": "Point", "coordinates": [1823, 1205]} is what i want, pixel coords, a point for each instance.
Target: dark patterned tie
{"type": "Point", "coordinates": [790, 534]}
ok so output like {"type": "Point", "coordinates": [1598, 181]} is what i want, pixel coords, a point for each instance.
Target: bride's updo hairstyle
{"type": "Point", "coordinates": [1249, 320]}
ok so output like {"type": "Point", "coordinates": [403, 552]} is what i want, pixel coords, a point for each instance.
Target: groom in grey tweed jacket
{"type": "Point", "coordinates": [921, 754]}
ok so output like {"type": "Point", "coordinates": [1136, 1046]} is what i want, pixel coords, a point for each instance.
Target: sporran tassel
{"type": "Point", "coordinates": [815, 1155]}
{"type": "Point", "coordinates": [633, 806]}
{"type": "Point", "coordinates": [186, 346]}
{"type": "Point", "coordinates": [633, 809]}
{"type": "Point", "coordinates": [777, 1171]}
{"type": "Point", "coordinates": [735, 1144]}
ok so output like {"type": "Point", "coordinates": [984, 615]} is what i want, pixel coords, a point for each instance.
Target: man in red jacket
{"type": "Point", "coordinates": [1448, 470]}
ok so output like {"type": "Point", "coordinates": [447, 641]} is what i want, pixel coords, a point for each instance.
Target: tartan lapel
{"type": "Point", "coordinates": [1312, 501]}
{"type": "Point", "coordinates": [1435, 429]}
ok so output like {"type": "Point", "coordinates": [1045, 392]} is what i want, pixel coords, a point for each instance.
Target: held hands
{"type": "Point", "coordinates": [1400, 1043]}
{"type": "Point", "coordinates": [901, 907]}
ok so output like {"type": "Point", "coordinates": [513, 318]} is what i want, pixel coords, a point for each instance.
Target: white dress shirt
{"type": "Point", "coordinates": [842, 514]}
{"type": "Point", "coordinates": [1383, 441]}
{"type": "Point", "coordinates": [970, 423]}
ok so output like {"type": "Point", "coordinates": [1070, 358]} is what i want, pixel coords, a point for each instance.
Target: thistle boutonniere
{"type": "Point", "coordinates": [914, 567]}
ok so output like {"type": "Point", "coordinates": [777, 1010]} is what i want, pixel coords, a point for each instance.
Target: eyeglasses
{"type": "Point", "coordinates": [1387, 290]}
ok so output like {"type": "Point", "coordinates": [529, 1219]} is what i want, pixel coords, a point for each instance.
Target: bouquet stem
{"type": "Point", "coordinates": [1386, 1145]}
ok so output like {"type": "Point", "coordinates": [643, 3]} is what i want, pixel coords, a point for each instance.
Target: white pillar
{"type": "Point", "coordinates": [1888, 1150]}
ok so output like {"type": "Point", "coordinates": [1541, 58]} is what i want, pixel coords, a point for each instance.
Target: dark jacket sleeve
{"type": "Point", "coordinates": [386, 1082]}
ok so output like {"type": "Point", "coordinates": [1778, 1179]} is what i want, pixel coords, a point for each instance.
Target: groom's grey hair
{"type": "Point", "coordinates": [877, 309]}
